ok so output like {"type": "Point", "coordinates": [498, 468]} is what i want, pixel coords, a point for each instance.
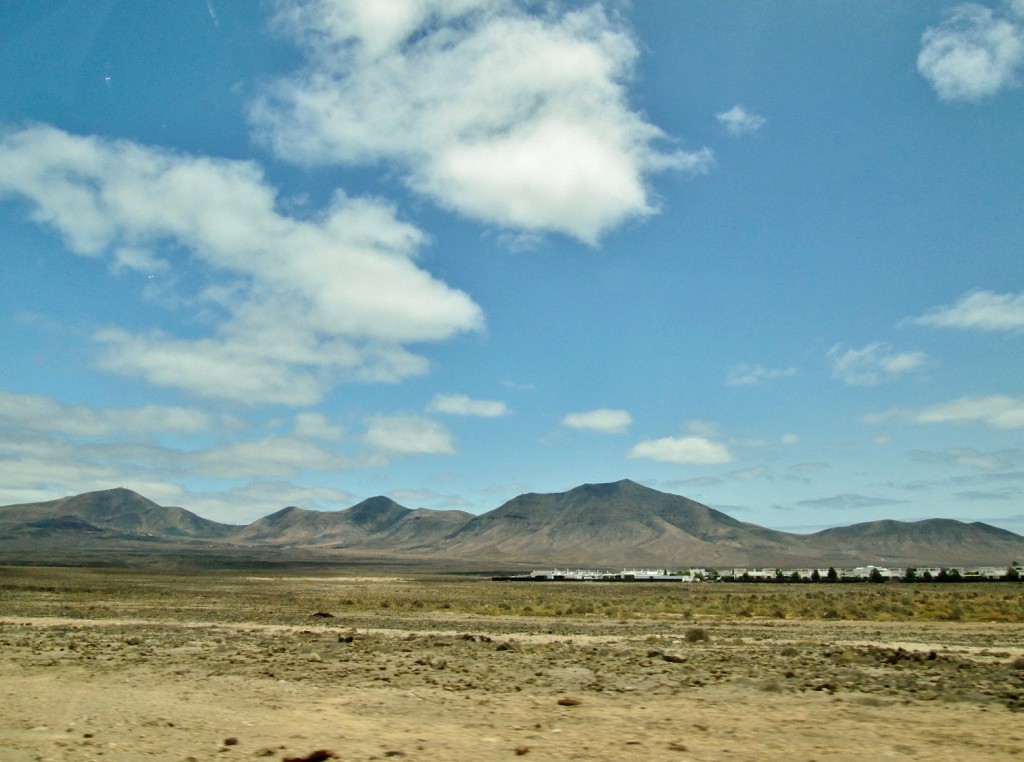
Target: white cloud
{"type": "Point", "coordinates": [739, 121]}
{"type": "Point", "coordinates": [409, 435]}
{"type": "Point", "coordinates": [873, 364]}
{"type": "Point", "coordinates": [998, 411]}
{"type": "Point", "coordinates": [35, 413]}
{"type": "Point", "coordinates": [982, 310]}
{"type": "Point", "coordinates": [514, 119]}
{"type": "Point", "coordinates": [305, 303]}
{"type": "Point", "coordinates": [975, 53]}
{"type": "Point", "coordinates": [316, 426]}
{"type": "Point", "coordinates": [684, 450]}
{"type": "Point", "coordinates": [254, 500]}
{"type": "Point", "coordinates": [459, 404]}
{"type": "Point", "coordinates": [790, 439]}
{"type": "Point", "coordinates": [603, 420]}
{"type": "Point", "coordinates": [273, 457]}
{"type": "Point", "coordinates": [750, 375]}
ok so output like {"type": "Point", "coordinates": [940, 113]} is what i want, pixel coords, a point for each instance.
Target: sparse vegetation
{"type": "Point", "coordinates": [227, 596]}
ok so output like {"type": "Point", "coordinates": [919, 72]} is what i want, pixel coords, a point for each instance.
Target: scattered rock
{"type": "Point", "coordinates": [521, 750]}
{"type": "Point", "coordinates": [674, 658]}
{"type": "Point", "coordinates": [314, 756]}
{"type": "Point", "coordinates": [323, 615]}
{"type": "Point", "coordinates": [230, 741]}
{"type": "Point", "coordinates": [566, 701]}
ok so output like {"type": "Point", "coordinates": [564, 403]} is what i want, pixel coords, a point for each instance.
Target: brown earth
{"type": "Point", "coordinates": [121, 666]}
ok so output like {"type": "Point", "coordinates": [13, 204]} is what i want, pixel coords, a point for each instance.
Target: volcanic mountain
{"type": "Point", "coordinates": [601, 525]}
{"type": "Point", "coordinates": [932, 542]}
{"type": "Point", "coordinates": [621, 523]}
{"type": "Point", "coordinates": [115, 511]}
{"type": "Point", "coordinates": [377, 522]}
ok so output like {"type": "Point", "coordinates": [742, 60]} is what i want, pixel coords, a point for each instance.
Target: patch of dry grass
{"type": "Point", "coordinates": [238, 597]}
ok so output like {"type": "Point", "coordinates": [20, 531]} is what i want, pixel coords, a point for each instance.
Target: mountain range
{"type": "Point", "coordinates": [596, 525]}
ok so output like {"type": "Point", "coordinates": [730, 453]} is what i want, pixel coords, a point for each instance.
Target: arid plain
{"type": "Point", "coordinates": [116, 664]}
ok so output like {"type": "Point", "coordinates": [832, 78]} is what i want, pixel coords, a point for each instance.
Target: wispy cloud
{"type": "Point", "coordinates": [751, 375]}
{"type": "Point", "coordinates": [459, 404]}
{"type": "Point", "coordinates": [50, 449]}
{"type": "Point", "coordinates": [848, 502]}
{"type": "Point", "coordinates": [602, 420]}
{"type": "Point", "coordinates": [739, 121]}
{"type": "Point", "coordinates": [872, 364]}
{"type": "Point", "coordinates": [408, 435]}
{"type": "Point", "coordinates": [305, 303]}
{"type": "Point", "coordinates": [999, 411]}
{"type": "Point", "coordinates": [32, 412]}
{"type": "Point", "coordinates": [975, 53]}
{"type": "Point", "coordinates": [981, 310]}
{"type": "Point", "coordinates": [971, 458]}
{"type": "Point", "coordinates": [316, 426]}
{"type": "Point", "coordinates": [515, 119]}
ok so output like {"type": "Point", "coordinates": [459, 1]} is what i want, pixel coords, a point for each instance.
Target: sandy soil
{"type": "Point", "coordinates": [435, 685]}
{"type": "Point", "coordinates": [128, 665]}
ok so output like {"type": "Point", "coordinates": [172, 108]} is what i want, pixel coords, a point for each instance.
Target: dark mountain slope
{"type": "Point", "coordinates": [119, 509]}
{"type": "Point", "coordinates": [931, 542]}
{"type": "Point", "coordinates": [600, 525]}
{"type": "Point", "coordinates": [617, 523]}
{"type": "Point", "coordinates": [375, 523]}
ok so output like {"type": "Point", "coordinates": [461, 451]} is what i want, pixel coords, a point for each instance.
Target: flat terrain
{"type": "Point", "coordinates": [122, 665]}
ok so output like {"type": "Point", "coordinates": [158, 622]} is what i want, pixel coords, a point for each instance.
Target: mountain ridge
{"type": "Point", "coordinates": [603, 524]}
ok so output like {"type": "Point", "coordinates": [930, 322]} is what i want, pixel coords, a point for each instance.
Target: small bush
{"type": "Point", "coordinates": [697, 635]}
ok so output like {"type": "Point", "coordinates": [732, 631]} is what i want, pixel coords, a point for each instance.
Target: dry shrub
{"type": "Point", "coordinates": [697, 635]}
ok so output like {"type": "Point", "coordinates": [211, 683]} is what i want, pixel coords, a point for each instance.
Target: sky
{"type": "Point", "coordinates": [766, 255]}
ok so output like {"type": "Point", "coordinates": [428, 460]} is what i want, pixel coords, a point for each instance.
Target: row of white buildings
{"type": "Point", "coordinates": [769, 573]}
{"type": "Point", "coordinates": [868, 572]}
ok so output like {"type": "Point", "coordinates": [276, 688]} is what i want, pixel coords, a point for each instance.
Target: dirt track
{"type": "Point", "coordinates": [369, 684]}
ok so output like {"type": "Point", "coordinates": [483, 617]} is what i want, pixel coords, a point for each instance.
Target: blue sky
{"type": "Point", "coordinates": [766, 255]}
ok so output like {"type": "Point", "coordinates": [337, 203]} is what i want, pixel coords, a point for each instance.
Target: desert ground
{"type": "Point", "coordinates": [117, 664]}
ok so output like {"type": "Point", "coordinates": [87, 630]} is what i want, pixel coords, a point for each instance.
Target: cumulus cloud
{"type": "Point", "coordinates": [459, 404]}
{"type": "Point", "coordinates": [975, 53]}
{"type": "Point", "coordinates": [998, 411]}
{"type": "Point", "coordinates": [408, 435]}
{"type": "Point", "coordinates": [684, 450]}
{"type": "Point", "coordinates": [873, 364]}
{"type": "Point", "coordinates": [305, 302]}
{"type": "Point", "coordinates": [603, 420]}
{"type": "Point", "coordinates": [515, 119]}
{"type": "Point", "coordinates": [981, 310]}
{"type": "Point", "coordinates": [739, 121]}
{"type": "Point", "coordinates": [751, 375]}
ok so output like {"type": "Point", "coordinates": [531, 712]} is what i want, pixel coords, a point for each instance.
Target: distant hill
{"type": "Point", "coordinates": [622, 523]}
{"type": "Point", "coordinates": [117, 510]}
{"type": "Point", "coordinates": [931, 542]}
{"type": "Point", "coordinates": [599, 525]}
{"type": "Point", "coordinates": [377, 522]}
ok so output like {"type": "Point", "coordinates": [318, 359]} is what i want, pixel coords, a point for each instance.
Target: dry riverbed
{"type": "Point", "coordinates": [123, 666]}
